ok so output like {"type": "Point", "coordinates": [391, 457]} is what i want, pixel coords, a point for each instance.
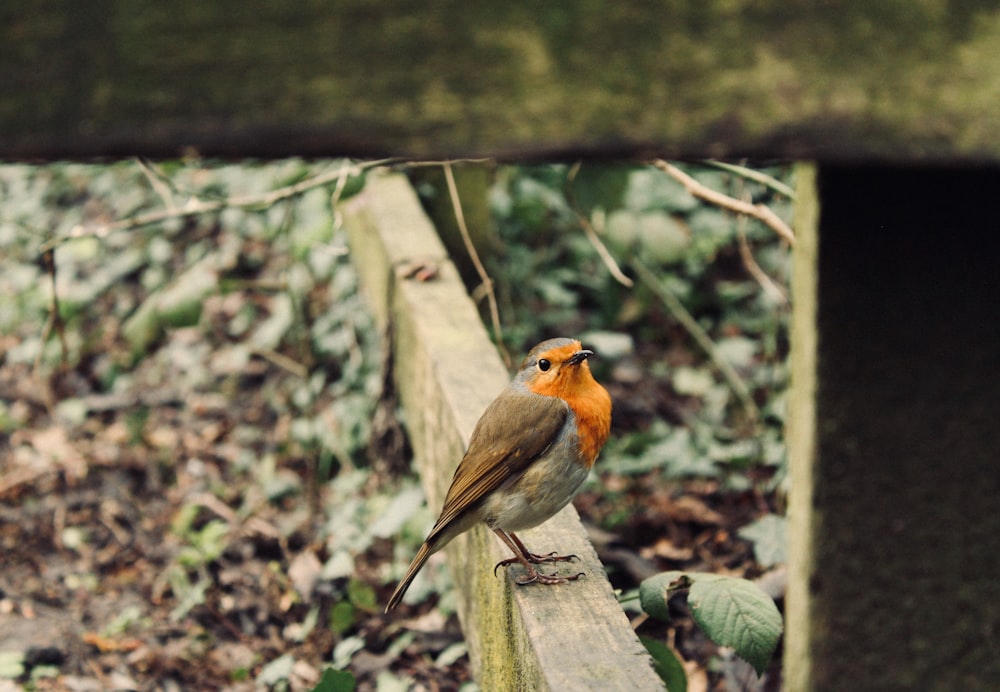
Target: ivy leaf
{"type": "Point", "coordinates": [769, 535]}
{"type": "Point", "coordinates": [737, 613]}
{"type": "Point", "coordinates": [655, 591]}
{"type": "Point", "coordinates": [335, 681]}
{"type": "Point", "coordinates": [667, 665]}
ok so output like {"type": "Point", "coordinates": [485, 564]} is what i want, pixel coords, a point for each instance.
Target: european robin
{"type": "Point", "coordinates": [529, 453]}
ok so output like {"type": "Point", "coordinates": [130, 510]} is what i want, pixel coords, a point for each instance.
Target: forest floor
{"type": "Point", "coordinates": [197, 505]}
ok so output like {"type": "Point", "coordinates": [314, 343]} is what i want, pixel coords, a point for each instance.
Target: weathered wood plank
{"type": "Point", "coordinates": [895, 536]}
{"type": "Point", "coordinates": [570, 637]}
{"type": "Point", "coordinates": [835, 80]}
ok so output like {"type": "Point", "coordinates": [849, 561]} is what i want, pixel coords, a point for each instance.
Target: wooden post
{"type": "Point", "coordinates": [895, 580]}
{"type": "Point", "coordinates": [571, 637]}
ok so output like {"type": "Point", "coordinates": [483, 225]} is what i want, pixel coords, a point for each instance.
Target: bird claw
{"type": "Point", "coordinates": [551, 557]}
{"type": "Point", "coordinates": [547, 578]}
{"type": "Point", "coordinates": [537, 559]}
{"type": "Point", "coordinates": [504, 563]}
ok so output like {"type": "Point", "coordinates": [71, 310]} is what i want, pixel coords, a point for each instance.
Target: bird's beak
{"type": "Point", "coordinates": [579, 357]}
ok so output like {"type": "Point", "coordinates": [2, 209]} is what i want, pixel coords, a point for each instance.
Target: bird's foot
{"type": "Point", "coordinates": [534, 576]}
{"type": "Point", "coordinates": [536, 559]}
{"type": "Point", "coordinates": [550, 557]}
{"type": "Point", "coordinates": [527, 558]}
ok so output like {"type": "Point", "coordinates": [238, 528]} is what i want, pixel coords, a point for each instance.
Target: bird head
{"type": "Point", "coordinates": [556, 367]}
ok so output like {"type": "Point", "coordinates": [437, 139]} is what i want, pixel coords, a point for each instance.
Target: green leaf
{"type": "Point", "coordinates": [276, 671]}
{"type": "Point", "coordinates": [649, 189]}
{"type": "Point", "coordinates": [769, 535]}
{"type": "Point", "coordinates": [341, 617]}
{"type": "Point", "coordinates": [667, 665]}
{"type": "Point", "coordinates": [44, 671]}
{"type": "Point", "coordinates": [403, 506]}
{"type": "Point", "coordinates": [451, 654]}
{"type": "Point", "coordinates": [655, 591]}
{"type": "Point", "coordinates": [11, 664]}
{"type": "Point", "coordinates": [596, 186]}
{"type": "Point", "coordinates": [362, 595]}
{"type": "Point", "coordinates": [345, 649]}
{"type": "Point", "coordinates": [211, 541]}
{"type": "Point", "coordinates": [737, 613]}
{"type": "Point", "coordinates": [335, 681]}
{"type": "Point", "coordinates": [663, 239]}
{"type": "Point", "coordinates": [180, 303]}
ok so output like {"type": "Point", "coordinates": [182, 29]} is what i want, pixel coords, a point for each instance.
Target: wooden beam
{"type": "Point", "coordinates": [570, 637]}
{"type": "Point", "coordinates": [837, 81]}
{"type": "Point", "coordinates": [893, 432]}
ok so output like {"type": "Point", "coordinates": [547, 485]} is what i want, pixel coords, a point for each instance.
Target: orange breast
{"type": "Point", "coordinates": [591, 403]}
{"type": "Point", "coordinates": [593, 419]}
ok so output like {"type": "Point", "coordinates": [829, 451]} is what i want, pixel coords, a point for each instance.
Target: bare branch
{"type": "Point", "coordinates": [595, 240]}
{"type": "Point", "coordinates": [756, 176]}
{"type": "Point", "coordinates": [681, 314]}
{"type": "Point", "coordinates": [196, 207]}
{"type": "Point", "coordinates": [157, 182]}
{"type": "Point", "coordinates": [603, 252]}
{"type": "Point", "coordinates": [758, 211]}
{"type": "Point", "coordinates": [765, 281]}
{"type": "Point", "coordinates": [487, 282]}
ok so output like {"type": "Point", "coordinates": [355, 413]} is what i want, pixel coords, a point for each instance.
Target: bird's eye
{"type": "Point", "coordinates": [544, 364]}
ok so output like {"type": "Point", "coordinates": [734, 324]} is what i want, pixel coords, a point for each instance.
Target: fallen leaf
{"type": "Point", "coordinates": [666, 549]}
{"type": "Point", "coordinates": [303, 573]}
{"type": "Point", "coordinates": [54, 446]}
{"type": "Point", "coordinates": [691, 509]}
{"type": "Point", "coordinates": [110, 644]}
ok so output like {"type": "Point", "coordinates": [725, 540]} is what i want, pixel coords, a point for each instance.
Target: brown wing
{"type": "Point", "coordinates": [513, 431]}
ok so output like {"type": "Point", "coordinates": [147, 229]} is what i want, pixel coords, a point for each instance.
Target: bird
{"type": "Point", "coordinates": [530, 452]}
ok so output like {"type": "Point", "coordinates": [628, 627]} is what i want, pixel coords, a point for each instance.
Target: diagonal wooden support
{"type": "Point", "coordinates": [570, 637]}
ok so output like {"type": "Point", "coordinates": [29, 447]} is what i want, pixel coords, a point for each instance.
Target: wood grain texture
{"type": "Point", "coordinates": [572, 636]}
{"type": "Point", "coordinates": [846, 80]}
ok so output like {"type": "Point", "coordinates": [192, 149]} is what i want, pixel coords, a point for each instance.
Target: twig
{"type": "Point", "coordinates": [282, 361]}
{"type": "Point", "coordinates": [196, 207]}
{"type": "Point", "coordinates": [603, 253]}
{"type": "Point", "coordinates": [487, 282]}
{"type": "Point", "coordinates": [54, 320]}
{"type": "Point", "coordinates": [156, 181]}
{"type": "Point", "coordinates": [680, 313]}
{"type": "Point", "coordinates": [595, 240]}
{"type": "Point", "coordinates": [749, 261]}
{"type": "Point", "coordinates": [765, 281]}
{"type": "Point", "coordinates": [425, 164]}
{"type": "Point", "coordinates": [756, 176]}
{"type": "Point", "coordinates": [759, 211]}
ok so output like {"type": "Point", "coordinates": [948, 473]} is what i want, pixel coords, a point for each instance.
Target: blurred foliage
{"type": "Point", "coordinates": [551, 280]}
{"type": "Point", "coordinates": [216, 305]}
{"type": "Point", "coordinates": [237, 335]}
{"type": "Point", "coordinates": [733, 612]}
{"type": "Point", "coordinates": [278, 280]}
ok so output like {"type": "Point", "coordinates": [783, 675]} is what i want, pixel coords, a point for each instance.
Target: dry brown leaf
{"type": "Point", "coordinates": [55, 448]}
{"type": "Point", "coordinates": [665, 548]}
{"type": "Point", "coordinates": [690, 509]}
{"type": "Point", "coordinates": [304, 572]}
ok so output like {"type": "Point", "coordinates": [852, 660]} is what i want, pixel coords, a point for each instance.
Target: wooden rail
{"type": "Point", "coordinates": [832, 80]}
{"type": "Point", "coordinates": [572, 637]}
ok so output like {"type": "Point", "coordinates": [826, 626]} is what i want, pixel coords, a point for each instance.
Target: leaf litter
{"type": "Point", "coordinates": [163, 522]}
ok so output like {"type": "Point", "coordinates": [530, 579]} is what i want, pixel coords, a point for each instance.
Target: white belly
{"type": "Point", "coordinates": [545, 488]}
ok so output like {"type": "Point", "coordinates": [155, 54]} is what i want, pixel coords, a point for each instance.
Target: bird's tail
{"type": "Point", "coordinates": [418, 562]}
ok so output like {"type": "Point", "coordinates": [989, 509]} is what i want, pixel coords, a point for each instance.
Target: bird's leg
{"type": "Point", "coordinates": [526, 558]}
{"type": "Point", "coordinates": [532, 557]}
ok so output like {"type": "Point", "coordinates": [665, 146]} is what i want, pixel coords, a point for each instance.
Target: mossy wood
{"type": "Point", "coordinates": [834, 80]}
{"type": "Point", "coordinates": [573, 636]}
{"type": "Point", "coordinates": [895, 534]}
